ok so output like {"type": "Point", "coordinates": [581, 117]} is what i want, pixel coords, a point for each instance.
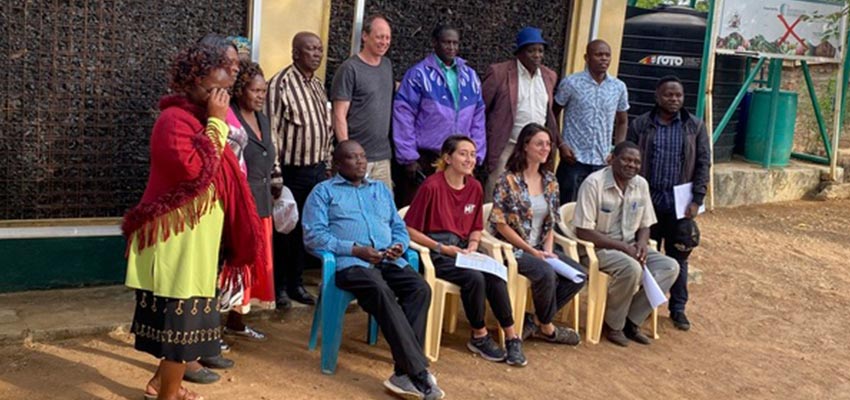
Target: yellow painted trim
{"type": "Point", "coordinates": [611, 23]}
{"type": "Point", "coordinates": [29, 223]}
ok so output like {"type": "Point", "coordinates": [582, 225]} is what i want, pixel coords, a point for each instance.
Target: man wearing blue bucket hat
{"type": "Point", "coordinates": [516, 92]}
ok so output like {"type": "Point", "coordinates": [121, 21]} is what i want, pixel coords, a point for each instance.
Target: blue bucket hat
{"type": "Point", "coordinates": [529, 35]}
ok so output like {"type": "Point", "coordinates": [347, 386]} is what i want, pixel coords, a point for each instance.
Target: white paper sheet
{"type": "Point", "coordinates": [653, 291]}
{"type": "Point", "coordinates": [483, 263]}
{"type": "Point", "coordinates": [683, 194]}
{"type": "Point", "coordinates": [565, 270]}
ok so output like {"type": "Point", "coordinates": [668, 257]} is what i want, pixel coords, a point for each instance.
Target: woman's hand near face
{"type": "Point", "coordinates": [218, 103]}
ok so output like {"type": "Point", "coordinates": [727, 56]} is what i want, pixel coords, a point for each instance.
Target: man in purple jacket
{"type": "Point", "coordinates": [438, 97]}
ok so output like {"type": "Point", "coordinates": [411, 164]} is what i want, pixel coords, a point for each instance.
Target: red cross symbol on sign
{"type": "Point", "coordinates": [789, 30]}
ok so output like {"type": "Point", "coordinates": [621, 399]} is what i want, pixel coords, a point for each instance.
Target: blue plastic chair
{"type": "Point", "coordinates": [330, 311]}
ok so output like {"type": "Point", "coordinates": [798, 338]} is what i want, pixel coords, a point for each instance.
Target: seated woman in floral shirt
{"type": "Point", "coordinates": [525, 208]}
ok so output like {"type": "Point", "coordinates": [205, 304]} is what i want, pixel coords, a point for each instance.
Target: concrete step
{"type": "Point", "coordinates": [740, 183]}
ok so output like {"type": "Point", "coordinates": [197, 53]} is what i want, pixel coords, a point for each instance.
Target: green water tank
{"type": "Point", "coordinates": [757, 135]}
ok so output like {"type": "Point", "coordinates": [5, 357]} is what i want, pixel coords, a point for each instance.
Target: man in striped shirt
{"type": "Point", "coordinates": [301, 130]}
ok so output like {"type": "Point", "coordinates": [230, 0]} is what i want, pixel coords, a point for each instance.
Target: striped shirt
{"type": "Point", "coordinates": [300, 118]}
{"type": "Point", "coordinates": [666, 163]}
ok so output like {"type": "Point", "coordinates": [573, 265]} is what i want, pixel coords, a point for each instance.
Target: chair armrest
{"type": "Point", "coordinates": [653, 244]}
{"type": "Point", "coordinates": [491, 248]}
{"type": "Point", "coordinates": [569, 246]}
{"type": "Point", "coordinates": [328, 266]}
{"type": "Point", "coordinates": [426, 266]}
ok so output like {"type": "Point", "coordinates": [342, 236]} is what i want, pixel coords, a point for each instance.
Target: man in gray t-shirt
{"type": "Point", "coordinates": [362, 95]}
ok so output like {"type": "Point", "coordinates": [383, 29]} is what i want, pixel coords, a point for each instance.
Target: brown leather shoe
{"type": "Point", "coordinates": [633, 332]}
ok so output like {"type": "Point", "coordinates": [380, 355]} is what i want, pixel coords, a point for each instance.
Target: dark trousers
{"type": "Point", "coordinates": [570, 177]}
{"type": "Point", "coordinates": [662, 232]}
{"type": "Point", "coordinates": [402, 321]}
{"type": "Point", "coordinates": [406, 186]}
{"type": "Point", "coordinates": [290, 257]}
{"type": "Point", "coordinates": [550, 291]}
{"type": "Point", "coordinates": [475, 287]}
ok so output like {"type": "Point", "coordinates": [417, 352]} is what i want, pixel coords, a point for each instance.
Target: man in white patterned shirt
{"type": "Point", "coordinates": [595, 105]}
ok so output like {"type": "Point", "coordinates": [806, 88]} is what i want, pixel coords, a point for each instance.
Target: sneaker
{"type": "Point", "coordinates": [528, 327]}
{"type": "Point", "coordinates": [633, 332]}
{"type": "Point", "coordinates": [427, 385]}
{"type": "Point", "coordinates": [487, 348]}
{"type": "Point", "coordinates": [225, 348]}
{"type": "Point", "coordinates": [403, 387]}
{"type": "Point", "coordinates": [515, 356]}
{"type": "Point", "coordinates": [680, 321]}
{"type": "Point", "coordinates": [561, 335]}
{"type": "Point", "coordinates": [203, 376]}
{"type": "Point", "coordinates": [247, 333]}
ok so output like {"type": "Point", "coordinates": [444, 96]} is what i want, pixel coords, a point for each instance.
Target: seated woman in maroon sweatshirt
{"type": "Point", "coordinates": [446, 217]}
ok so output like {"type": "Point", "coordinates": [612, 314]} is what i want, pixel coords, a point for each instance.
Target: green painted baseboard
{"type": "Point", "coordinates": [49, 263]}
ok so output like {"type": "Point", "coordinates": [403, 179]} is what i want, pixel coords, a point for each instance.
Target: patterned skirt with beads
{"type": "Point", "coordinates": [179, 330]}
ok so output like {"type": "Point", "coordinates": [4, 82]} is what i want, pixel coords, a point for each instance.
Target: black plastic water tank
{"type": "Point", "coordinates": [669, 41]}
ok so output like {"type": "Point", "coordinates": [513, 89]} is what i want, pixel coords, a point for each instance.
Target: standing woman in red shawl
{"type": "Point", "coordinates": [194, 205]}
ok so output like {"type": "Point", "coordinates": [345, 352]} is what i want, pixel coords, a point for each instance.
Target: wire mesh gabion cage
{"type": "Point", "coordinates": [80, 84]}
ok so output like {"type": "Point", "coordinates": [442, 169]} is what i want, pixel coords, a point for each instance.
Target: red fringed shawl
{"type": "Point", "coordinates": [184, 163]}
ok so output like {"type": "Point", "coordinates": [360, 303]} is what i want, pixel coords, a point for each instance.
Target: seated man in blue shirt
{"type": "Point", "coordinates": [355, 219]}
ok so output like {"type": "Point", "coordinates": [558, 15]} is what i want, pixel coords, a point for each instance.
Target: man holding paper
{"type": "Point", "coordinates": [676, 153]}
{"type": "Point", "coordinates": [614, 211]}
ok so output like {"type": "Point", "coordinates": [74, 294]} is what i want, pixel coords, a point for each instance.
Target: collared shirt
{"type": "Point", "coordinates": [512, 205]}
{"type": "Point", "coordinates": [530, 101]}
{"type": "Point", "coordinates": [337, 215]}
{"type": "Point", "coordinates": [589, 111]}
{"type": "Point", "coordinates": [666, 163]}
{"type": "Point", "coordinates": [300, 118]}
{"type": "Point", "coordinates": [451, 79]}
{"type": "Point", "coordinates": [603, 207]}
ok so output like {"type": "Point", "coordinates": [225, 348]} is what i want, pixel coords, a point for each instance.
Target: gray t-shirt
{"type": "Point", "coordinates": [539, 211]}
{"type": "Point", "coordinates": [370, 91]}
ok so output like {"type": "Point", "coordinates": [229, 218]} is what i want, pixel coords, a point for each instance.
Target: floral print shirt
{"type": "Point", "coordinates": [512, 204]}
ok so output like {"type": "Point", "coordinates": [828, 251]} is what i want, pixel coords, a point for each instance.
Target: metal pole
{"type": "Point", "coordinates": [706, 51]}
{"type": "Point", "coordinates": [824, 135]}
{"type": "Point", "coordinates": [810, 158]}
{"type": "Point", "coordinates": [731, 110]}
{"type": "Point", "coordinates": [775, 81]}
{"type": "Point", "coordinates": [632, 3]}
{"type": "Point", "coordinates": [256, 18]}
{"type": "Point", "coordinates": [837, 106]}
{"type": "Point", "coordinates": [846, 81]}
{"type": "Point", "coordinates": [594, 18]}
{"type": "Point", "coordinates": [694, 3]}
{"type": "Point", "coordinates": [357, 26]}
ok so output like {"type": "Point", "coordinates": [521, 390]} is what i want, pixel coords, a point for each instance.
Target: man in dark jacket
{"type": "Point", "coordinates": [676, 151]}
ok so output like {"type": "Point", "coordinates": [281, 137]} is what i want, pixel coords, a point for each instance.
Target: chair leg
{"type": "Point", "coordinates": [597, 295]}
{"type": "Point", "coordinates": [435, 325]}
{"type": "Point", "coordinates": [450, 310]}
{"type": "Point", "coordinates": [314, 329]}
{"type": "Point", "coordinates": [333, 313]}
{"type": "Point", "coordinates": [372, 332]}
{"type": "Point", "coordinates": [574, 312]}
{"type": "Point", "coordinates": [655, 334]}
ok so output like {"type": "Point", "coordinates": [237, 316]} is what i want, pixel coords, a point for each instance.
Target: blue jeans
{"type": "Point", "coordinates": [570, 177]}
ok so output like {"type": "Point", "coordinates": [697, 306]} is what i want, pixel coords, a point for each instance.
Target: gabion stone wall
{"type": "Point", "coordinates": [487, 27]}
{"type": "Point", "coordinates": [79, 85]}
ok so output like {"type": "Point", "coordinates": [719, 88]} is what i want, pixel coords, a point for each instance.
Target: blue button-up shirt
{"type": "Point", "coordinates": [589, 111]}
{"type": "Point", "coordinates": [666, 165]}
{"type": "Point", "coordinates": [337, 215]}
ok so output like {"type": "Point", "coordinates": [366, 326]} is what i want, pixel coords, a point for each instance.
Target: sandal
{"type": "Point", "coordinates": [185, 394]}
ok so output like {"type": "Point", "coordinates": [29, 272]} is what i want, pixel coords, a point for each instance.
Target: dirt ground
{"type": "Point", "coordinates": [769, 322]}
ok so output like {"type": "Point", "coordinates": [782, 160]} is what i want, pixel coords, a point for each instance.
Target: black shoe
{"type": "Point", "coordinates": [632, 331]}
{"type": "Point", "coordinates": [203, 376]}
{"type": "Point", "coordinates": [616, 336]}
{"type": "Point", "coordinates": [515, 356]}
{"type": "Point", "coordinates": [283, 302]}
{"type": "Point", "coordinates": [302, 296]}
{"type": "Point", "coordinates": [426, 385]}
{"type": "Point", "coordinates": [487, 348]}
{"type": "Point", "coordinates": [217, 362]}
{"type": "Point", "coordinates": [528, 327]}
{"type": "Point", "coordinates": [680, 321]}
